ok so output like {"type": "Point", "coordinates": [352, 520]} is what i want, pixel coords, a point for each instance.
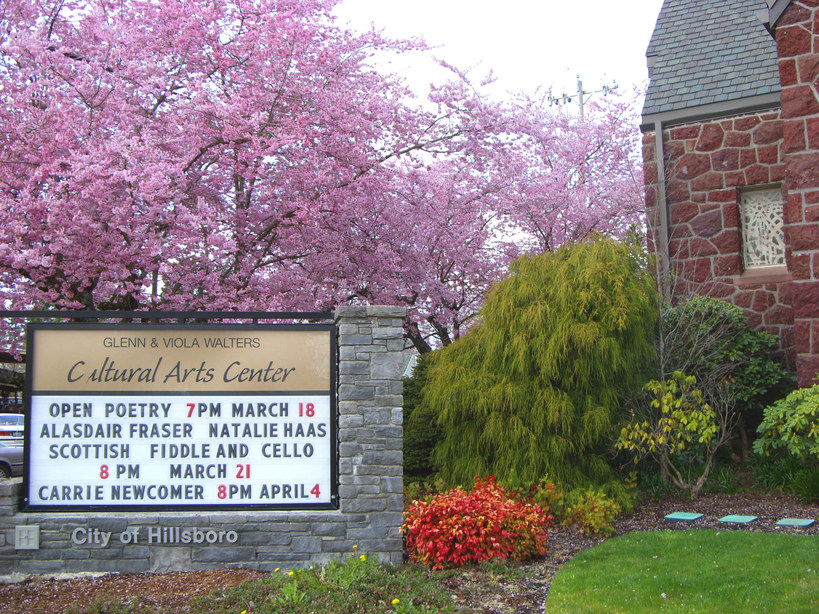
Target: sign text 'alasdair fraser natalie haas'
{"type": "Point", "coordinates": [180, 417]}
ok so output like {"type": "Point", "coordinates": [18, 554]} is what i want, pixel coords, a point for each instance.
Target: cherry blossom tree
{"type": "Point", "coordinates": [246, 154]}
{"type": "Point", "coordinates": [577, 176]}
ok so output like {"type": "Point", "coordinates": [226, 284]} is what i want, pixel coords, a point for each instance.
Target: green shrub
{"type": "Point", "coordinates": [723, 479]}
{"type": "Point", "coordinates": [549, 497]}
{"type": "Point", "coordinates": [460, 527]}
{"type": "Point", "coordinates": [792, 424]}
{"type": "Point", "coordinates": [357, 584]}
{"type": "Point", "coordinates": [593, 511]}
{"type": "Point", "coordinates": [710, 339]}
{"type": "Point", "coordinates": [535, 389]}
{"type": "Point", "coordinates": [421, 431]}
{"type": "Point", "coordinates": [735, 368]}
{"type": "Point", "coordinates": [422, 489]}
{"type": "Point", "coordinates": [775, 471]}
{"type": "Point", "coordinates": [650, 482]}
{"type": "Point", "coordinates": [806, 484]}
{"type": "Point", "coordinates": [679, 422]}
{"type": "Point", "coordinates": [544, 493]}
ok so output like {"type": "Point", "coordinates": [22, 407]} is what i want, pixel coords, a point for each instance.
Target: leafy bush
{"type": "Point", "coordinates": [534, 390]}
{"type": "Point", "coordinates": [711, 340]}
{"type": "Point", "coordinates": [549, 497]}
{"type": "Point", "coordinates": [460, 527]}
{"type": "Point", "coordinates": [792, 424]}
{"type": "Point", "coordinates": [734, 365]}
{"type": "Point", "coordinates": [544, 493]}
{"type": "Point", "coordinates": [806, 484]}
{"type": "Point", "coordinates": [422, 489]}
{"type": "Point", "coordinates": [593, 511]}
{"type": "Point", "coordinates": [680, 420]}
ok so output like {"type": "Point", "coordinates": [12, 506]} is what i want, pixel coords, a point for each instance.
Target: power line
{"type": "Point", "coordinates": [581, 95]}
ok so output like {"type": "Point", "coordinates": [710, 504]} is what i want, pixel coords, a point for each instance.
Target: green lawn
{"type": "Point", "coordinates": [692, 571]}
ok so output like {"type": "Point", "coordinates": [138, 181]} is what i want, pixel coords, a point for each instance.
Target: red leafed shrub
{"type": "Point", "coordinates": [459, 526]}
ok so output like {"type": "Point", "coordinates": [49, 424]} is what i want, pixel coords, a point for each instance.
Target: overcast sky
{"type": "Point", "coordinates": [527, 43]}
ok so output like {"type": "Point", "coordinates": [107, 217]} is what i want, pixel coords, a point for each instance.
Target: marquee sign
{"type": "Point", "coordinates": [180, 417]}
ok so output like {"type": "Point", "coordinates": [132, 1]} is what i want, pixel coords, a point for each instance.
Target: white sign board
{"type": "Point", "coordinates": [178, 417]}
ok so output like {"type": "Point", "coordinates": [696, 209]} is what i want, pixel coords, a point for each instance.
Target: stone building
{"type": "Point", "coordinates": [731, 152]}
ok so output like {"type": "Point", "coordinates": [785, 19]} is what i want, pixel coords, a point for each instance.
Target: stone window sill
{"type": "Point", "coordinates": [763, 275]}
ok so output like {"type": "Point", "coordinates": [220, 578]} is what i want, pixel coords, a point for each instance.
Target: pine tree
{"type": "Point", "coordinates": [533, 390]}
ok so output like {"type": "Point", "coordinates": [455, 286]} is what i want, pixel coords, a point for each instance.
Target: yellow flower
{"type": "Point", "coordinates": [363, 557]}
{"type": "Point", "coordinates": [243, 612]}
{"type": "Point", "coordinates": [355, 547]}
{"type": "Point", "coordinates": [396, 601]}
{"type": "Point", "coordinates": [289, 573]}
{"type": "Point", "coordinates": [277, 569]}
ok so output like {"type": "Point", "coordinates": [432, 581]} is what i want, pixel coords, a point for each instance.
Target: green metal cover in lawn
{"type": "Point", "coordinates": [683, 516]}
{"type": "Point", "coordinates": [737, 519]}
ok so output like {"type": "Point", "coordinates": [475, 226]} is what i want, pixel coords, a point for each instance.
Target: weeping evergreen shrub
{"type": "Point", "coordinates": [533, 390]}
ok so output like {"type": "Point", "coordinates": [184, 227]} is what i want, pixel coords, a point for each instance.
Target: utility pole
{"type": "Point", "coordinates": [581, 93]}
{"type": "Point", "coordinates": [582, 96]}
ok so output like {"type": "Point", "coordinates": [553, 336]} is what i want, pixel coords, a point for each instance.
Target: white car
{"type": "Point", "coordinates": [12, 427]}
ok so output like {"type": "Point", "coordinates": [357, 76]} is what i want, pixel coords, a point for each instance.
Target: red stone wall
{"type": "Point", "coordinates": [706, 164]}
{"type": "Point", "coordinates": [797, 39]}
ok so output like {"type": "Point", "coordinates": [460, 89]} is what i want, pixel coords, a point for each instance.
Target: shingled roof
{"type": "Point", "coordinates": [709, 55]}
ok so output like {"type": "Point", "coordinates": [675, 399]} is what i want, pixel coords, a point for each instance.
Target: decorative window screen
{"type": "Point", "coordinates": [763, 241]}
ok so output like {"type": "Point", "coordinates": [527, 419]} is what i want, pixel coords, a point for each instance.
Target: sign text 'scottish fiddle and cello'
{"type": "Point", "coordinates": [187, 417]}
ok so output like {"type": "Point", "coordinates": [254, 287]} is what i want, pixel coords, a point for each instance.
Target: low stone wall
{"type": "Point", "coordinates": [369, 439]}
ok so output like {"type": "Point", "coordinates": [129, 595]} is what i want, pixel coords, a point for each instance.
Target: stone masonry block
{"type": "Point", "coordinates": [377, 416]}
{"type": "Point", "coordinates": [360, 479]}
{"type": "Point", "coordinates": [387, 332]}
{"type": "Point", "coordinates": [375, 470]}
{"type": "Point", "coordinates": [259, 538]}
{"type": "Point", "coordinates": [370, 532]}
{"type": "Point", "coordinates": [347, 352]}
{"type": "Point", "coordinates": [386, 519]}
{"type": "Point", "coordinates": [223, 554]}
{"type": "Point", "coordinates": [347, 328]}
{"type": "Point", "coordinates": [351, 311]}
{"type": "Point", "coordinates": [347, 407]}
{"type": "Point", "coordinates": [395, 345]}
{"type": "Point", "coordinates": [392, 485]}
{"type": "Point", "coordinates": [329, 529]}
{"type": "Point", "coordinates": [355, 339]}
{"type": "Point", "coordinates": [347, 450]}
{"type": "Point", "coordinates": [354, 367]}
{"type": "Point", "coordinates": [350, 421]}
{"type": "Point", "coordinates": [11, 488]}
{"type": "Point", "coordinates": [307, 544]}
{"type": "Point", "coordinates": [392, 457]}
{"type": "Point", "coordinates": [386, 311]}
{"type": "Point", "coordinates": [356, 393]}
{"type": "Point", "coordinates": [363, 505]}
{"type": "Point", "coordinates": [389, 400]}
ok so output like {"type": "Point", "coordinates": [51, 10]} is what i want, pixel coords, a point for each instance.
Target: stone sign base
{"type": "Point", "coordinates": [370, 491]}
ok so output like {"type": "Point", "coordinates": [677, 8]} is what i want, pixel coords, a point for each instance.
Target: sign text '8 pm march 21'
{"type": "Point", "coordinates": [180, 417]}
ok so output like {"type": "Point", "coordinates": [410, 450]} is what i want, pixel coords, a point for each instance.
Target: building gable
{"type": "Point", "coordinates": [709, 58]}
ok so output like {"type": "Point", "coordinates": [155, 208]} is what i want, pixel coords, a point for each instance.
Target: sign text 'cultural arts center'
{"type": "Point", "coordinates": [188, 417]}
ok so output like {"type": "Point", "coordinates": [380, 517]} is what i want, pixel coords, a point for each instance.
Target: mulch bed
{"type": "Point", "coordinates": [474, 590]}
